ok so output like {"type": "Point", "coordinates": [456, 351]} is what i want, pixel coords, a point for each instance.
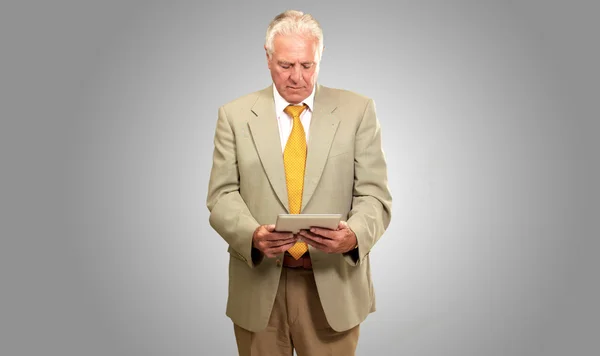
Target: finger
{"type": "Point", "coordinates": [318, 239]}
{"type": "Point", "coordinates": [323, 243]}
{"type": "Point", "coordinates": [342, 225]}
{"type": "Point", "coordinates": [268, 244]}
{"type": "Point", "coordinates": [272, 252]}
{"type": "Point", "coordinates": [274, 236]}
{"type": "Point", "coordinates": [323, 232]}
{"type": "Point", "coordinates": [317, 245]}
{"type": "Point", "coordinates": [278, 243]}
{"type": "Point", "coordinates": [307, 233]}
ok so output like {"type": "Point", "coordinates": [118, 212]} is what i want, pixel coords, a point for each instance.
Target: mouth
{"type": "Point", "coordinates": [295, 88]}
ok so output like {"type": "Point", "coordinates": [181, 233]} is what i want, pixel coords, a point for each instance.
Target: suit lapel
{"type": "Point", "coordinates": [265, 133]}
{"type": "Point", "coordinates": [323, 126]}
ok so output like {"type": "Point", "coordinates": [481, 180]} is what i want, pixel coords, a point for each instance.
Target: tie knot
{"type": "Point", "coordinates": [294, 110]}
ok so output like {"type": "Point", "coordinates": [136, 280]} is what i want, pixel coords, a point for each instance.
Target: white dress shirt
{"type": "Point", "coordinates": [285, 122]}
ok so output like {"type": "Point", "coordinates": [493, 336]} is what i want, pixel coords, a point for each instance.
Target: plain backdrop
{"type": "Point", "coordinates": [489, 114]}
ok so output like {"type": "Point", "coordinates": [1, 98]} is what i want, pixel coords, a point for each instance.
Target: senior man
{"type": "Point", "coordinates": [298, 147]}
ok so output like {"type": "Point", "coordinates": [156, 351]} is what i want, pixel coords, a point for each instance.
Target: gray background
{"type": "Point", "coordinates": [489, 116]}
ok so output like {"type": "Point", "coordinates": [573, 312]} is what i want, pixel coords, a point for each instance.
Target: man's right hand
{"type": "Point", "coordinates": [270, 242]}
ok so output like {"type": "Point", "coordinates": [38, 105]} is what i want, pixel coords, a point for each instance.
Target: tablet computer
{"type": "Point", "coordinates": [296, 222]}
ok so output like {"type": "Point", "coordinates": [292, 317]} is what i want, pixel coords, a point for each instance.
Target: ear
{"type": "Point", "coordinates": [267, 56]}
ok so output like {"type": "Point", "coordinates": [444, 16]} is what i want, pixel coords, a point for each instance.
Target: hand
{"type": "Point", "coordinates": [270, 242]}
{"type": "Point", "coordinates": [340, 240]}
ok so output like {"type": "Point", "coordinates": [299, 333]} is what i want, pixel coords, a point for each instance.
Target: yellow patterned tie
{"type": "Point", "coordinates": [294, 161]}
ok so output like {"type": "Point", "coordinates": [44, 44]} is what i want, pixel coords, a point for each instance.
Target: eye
{"type": "Point", "coordinates": [307, 65]}
{"type": "Point", "coordinates": [285, 66]}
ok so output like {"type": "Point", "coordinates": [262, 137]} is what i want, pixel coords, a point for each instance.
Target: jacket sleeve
{"type": "Point", "coordinates": [372, 202]}
{"type": "Point", "coordinates": [229, 214]}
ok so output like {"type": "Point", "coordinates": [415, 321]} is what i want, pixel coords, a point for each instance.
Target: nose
{"type": "Point", "coordinates": [296, 74]}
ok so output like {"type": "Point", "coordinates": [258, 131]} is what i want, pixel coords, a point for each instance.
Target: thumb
{"type": "Point", "coordinates": [270, 228]}
{"type": "Point", "coordinates": [342, 225]}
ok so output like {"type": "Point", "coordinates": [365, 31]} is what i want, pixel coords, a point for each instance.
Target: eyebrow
{"type": "Point", "coordinates": [291, 64]}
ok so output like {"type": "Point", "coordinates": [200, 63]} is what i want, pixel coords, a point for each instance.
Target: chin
{"type": "Point", "coordinates": [295, 98]}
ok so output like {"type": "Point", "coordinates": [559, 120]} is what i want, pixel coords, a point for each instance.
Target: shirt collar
{"type": "Point", "coordinates": [281, 103]}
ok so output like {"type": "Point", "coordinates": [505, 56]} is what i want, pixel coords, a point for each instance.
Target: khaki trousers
{"type": "Point", "coordinates": [298, 323]}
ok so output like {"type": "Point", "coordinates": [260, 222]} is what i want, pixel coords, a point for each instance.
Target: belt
{"type": "Point", "coordinates": [304, 261]}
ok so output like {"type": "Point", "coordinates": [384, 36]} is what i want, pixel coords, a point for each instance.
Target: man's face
{"type": "Point", "coordinates": [294, 66]}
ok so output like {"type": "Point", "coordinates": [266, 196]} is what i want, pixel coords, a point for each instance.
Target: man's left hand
{"type": "Point", "coordinates": [340, 240]}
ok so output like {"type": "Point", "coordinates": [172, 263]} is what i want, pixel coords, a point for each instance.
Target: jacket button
{"type": "Point", "coordinates": [278, 262]}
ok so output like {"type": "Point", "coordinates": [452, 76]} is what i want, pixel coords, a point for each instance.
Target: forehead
{"type": "Point", "coordinates": [295, 47]}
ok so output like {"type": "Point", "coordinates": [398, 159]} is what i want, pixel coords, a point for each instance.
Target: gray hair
{"type": "Point", "coordinates": [293, 22]}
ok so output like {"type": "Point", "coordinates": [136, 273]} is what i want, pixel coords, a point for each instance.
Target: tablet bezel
{"type": "Point", "coordinates": [296, 222]}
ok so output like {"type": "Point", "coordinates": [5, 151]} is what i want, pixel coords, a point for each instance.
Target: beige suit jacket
{"type": "Point", "coordinates": [345, 173]}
